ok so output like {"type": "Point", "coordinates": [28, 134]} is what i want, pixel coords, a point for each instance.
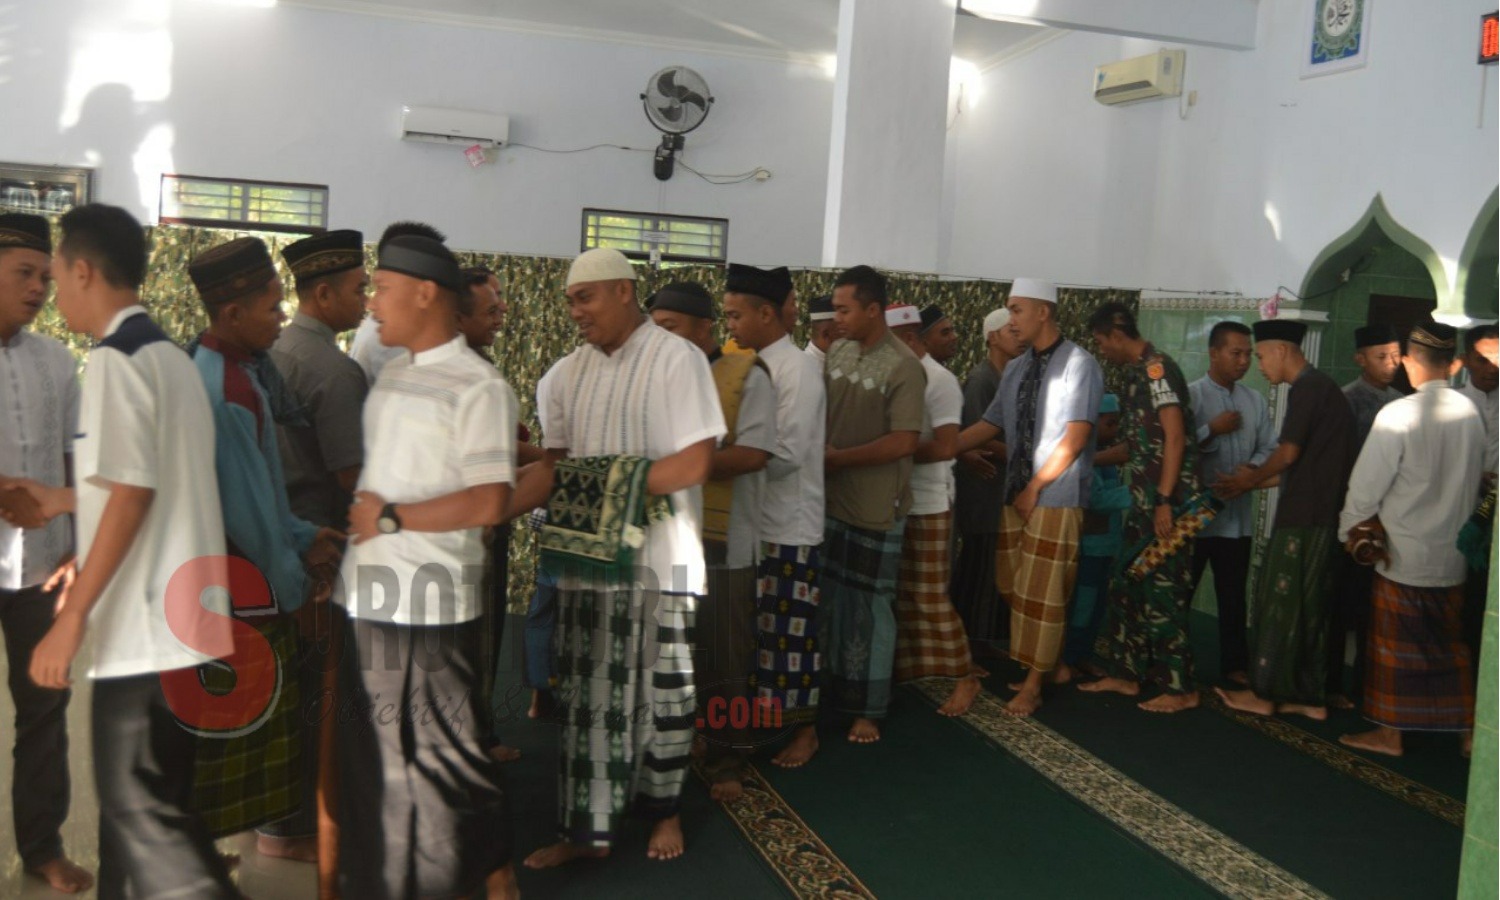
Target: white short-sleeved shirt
{"type": "Point", "coordinates": [932, 483]}
{"type": "Point", "coordinates": [38, 418]}
{"type": "Point", "coordinates": [755, 427]}
{"type": "Point", "coordinates": [792, 510]}
{"type": "Point", "coordinates": [144, 421]}
{"type": "Point", "coordinates": [436, 423]}
{"type": "Point", "coordinates": [652, 397]}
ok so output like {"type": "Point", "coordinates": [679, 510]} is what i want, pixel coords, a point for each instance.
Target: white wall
{"type": "Point", "coordinates": [1264, 172]}
{"type": "Point", "coordinates": [291, 94]}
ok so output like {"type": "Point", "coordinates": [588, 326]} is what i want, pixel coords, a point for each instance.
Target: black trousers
{"type": "Point", "coordinates": [1230, 558]}
{"type": "Point", "coordinates": [151, 841]}
{"type": "Point", "coordinates": [1349, 611]}
{"type": "Point", "coordinates": [422, 809]}
{"type": "Point", "coordinates": [40, 789]}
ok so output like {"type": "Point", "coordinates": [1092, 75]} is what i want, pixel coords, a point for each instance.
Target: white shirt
{"type": "Point", "coordinates": [38, 418]}
{"type": "Point", "coordinates": [932, 483]}
{"type": "Point", "coordinates": [815, 352]}
{"type": "Point", "coordinates": [144, 421]}
{"type": "Point", "coordinates": [754, 427]}
{"type": "Point", "coordinates": [792, 509]}
{"type": "Point", "coordinates": [1419, 471]}
{"type": "Point", "coordinates": [367, 350]}
{"type": "Point", "coordinates": [1253, 442]}
{"type": "Point", "coordinates": [436, 423]}
{"type": "Point", "coordinates": [1488, 410]}
{"type": "Point", "coordinates": [653, 397]}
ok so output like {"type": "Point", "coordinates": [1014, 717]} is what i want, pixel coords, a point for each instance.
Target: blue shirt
{"type": "Point", "coordinates": [1108, 499]}
{"type": "Point", "coordinates": [1252, 443]}
{"type": "Point", "coordinates": [1071, 388]}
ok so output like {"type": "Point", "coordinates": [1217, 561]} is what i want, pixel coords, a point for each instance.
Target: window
{"type": "Point", "coordinates": [238, 203]}
{"type": "Point", "coordinates": [656, 236]}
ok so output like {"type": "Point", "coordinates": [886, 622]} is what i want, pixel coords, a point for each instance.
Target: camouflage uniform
{"type": "Point", "coordinates": [1144, 637]}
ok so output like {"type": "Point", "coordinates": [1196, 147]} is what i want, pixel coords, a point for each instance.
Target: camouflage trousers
{"type": "Point", "coordinates": [1145, 632]}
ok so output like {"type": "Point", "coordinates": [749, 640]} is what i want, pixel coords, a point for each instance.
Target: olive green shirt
{"type": "Point", "coordinates": [872, 393]}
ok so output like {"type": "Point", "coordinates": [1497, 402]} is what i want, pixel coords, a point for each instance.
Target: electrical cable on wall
{"type": "Point", "coordinates": [711, 178]}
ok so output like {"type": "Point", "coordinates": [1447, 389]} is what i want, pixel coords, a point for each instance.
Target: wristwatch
{"type": "Point", "coordinates": [1163, 499]}
{"type": "Point", "coordinates": [389, 522]}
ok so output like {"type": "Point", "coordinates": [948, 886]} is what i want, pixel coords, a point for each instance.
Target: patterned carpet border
{"type": "Point", "coordinates": [1204, 852]}
{"type": "Point", "coordinates": [1350, 763]}
{"type": "Point", "coordinates": [792, 850]}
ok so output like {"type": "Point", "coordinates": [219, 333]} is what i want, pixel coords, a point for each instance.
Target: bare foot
{"type": "Point", "coordinates": [1385, 741]}
{"type": "Point", "coordinates": [1024, 703]}
{"type": "Point", "coordinates": [1466, 745]}
{"type": "Point", "coordinates": [864, 731]}
{"type": "Point", "coordinates": [1060, 675]}
{"type": "Point", "coordinates": [1171, 703]}
{"type": "Point", "coordinates": [1339, 701]}
{"type": "Point", "coordinates": [1091, 670]}
{"type": "Point", "coordinates": [501, 885]}
{"type": "Point", "coordinates": [535, 712]}
{"type": "Point", "coordinates": [1316, 713]}
{"type": "Point", "coordinates": [62, 874]}
{"type": "Point", "coordinates": [1112, 685]}
{"type": "Point", "coordinates": [666, 839]}
{"type": "Point", "coordinates": [978, 671]}
{"type": "Point", "coordinates": [301, 849]}
{"type": "Point", "coordinates": [726, 791]}
{"type": "Point", "coordinates": [1237, 677]}
{"type": "Point", "coordinates": [503, 754]}
{"type": "Point", "coordinates": [802, 748]}
{"type": "Point", "coordinates": [962, 697]}
{"type": "Point", "coordinates": [562, 852]}
{"type": "Point", "coordinates": [1245, 701]}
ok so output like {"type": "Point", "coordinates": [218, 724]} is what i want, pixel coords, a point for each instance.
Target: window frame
{"type": "Point", "coordinates": [659, 220]}
{"type": "Point", "coordinates": [241, 223]}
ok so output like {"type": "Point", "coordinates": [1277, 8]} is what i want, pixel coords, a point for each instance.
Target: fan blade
{"type": "Point", "coordinates": [672, 113]}
{"type": "Point", "coordinates": [687, 96]}
{"type": "Point", "coordinates": [667, 83]}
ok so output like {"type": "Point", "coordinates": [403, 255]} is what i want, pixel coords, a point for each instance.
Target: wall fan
{"type": "Point", "coordinates": [676, 101]}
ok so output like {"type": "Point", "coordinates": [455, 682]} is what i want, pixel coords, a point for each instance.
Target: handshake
{"type": "Point", "coordinates": [28, 504]}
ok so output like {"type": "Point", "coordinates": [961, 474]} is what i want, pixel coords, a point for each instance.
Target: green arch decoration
{"type": "Point", "coordinates": [1475, 286]}
{"type": "Point", "coordinates": [1375, 226]}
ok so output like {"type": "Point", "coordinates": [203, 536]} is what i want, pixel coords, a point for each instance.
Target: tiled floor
{"type": "Point", "coordinates": [259, 877]}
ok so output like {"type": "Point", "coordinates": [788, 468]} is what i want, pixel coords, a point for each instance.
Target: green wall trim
{"type": "Point", "coordinates": [1474, 287]}
{"type": "Point", "coordinates": [1375, 225]}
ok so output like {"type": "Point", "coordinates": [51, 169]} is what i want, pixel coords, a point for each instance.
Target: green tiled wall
{"type": "Point", "coordinates": [1390, 271]}
{"type": "Point", "coordinates": [1480, 869]}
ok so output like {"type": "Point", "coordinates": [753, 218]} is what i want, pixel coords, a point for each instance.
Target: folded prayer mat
{"type": "Point", "coordinates": [597, 517]}
{"type": "Point", "coordinates": [1189, 518]}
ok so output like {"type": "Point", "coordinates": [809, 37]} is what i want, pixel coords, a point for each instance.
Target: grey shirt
{"type": "Point", "coordinates": [1366, 400]}
{"type": "Point", "coordinates": [977, 501]}
{"type": "Point", "coordinates": [330, 387]}
{"type": "Point", "coordinates": [1071, 388]}
{"type": "Point", "coordinates": [1220, 455]}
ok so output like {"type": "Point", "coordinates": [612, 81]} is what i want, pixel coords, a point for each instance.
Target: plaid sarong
{"type": "Point", "coordinates": [625, 691]}
{"type": "Point", "coordinates": [930, 637]}
{"type": "Point", "coordinates": [1036, 564]}
{"type": "Point", "coordinates": [249, 774]}
{"type": "Point", "coordinates": [858, 626]}
{"type": "Point", "coordinates": [1418, 676]}
{"type": "Point", "coordinates": [1289, 659]}
{"type": "Point", "coordinates": [787, 660]}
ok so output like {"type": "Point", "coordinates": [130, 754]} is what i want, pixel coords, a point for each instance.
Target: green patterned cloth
{"type": "Point", "coordinates": [247, 779]}
{"type": "Point", "coordinates": [597, 517]}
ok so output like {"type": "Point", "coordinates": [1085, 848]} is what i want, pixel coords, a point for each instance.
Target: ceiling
{"type": "Point", "coordinates": [789, 29]}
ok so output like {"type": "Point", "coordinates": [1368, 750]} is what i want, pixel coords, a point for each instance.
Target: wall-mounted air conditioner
{"type": "Point", "coordinates": [453, 126]}
{"type": "Point", "coordinates": [1147, 77]}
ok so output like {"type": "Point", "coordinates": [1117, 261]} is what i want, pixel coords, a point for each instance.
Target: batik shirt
{"type": "Point", "coordinates": [1151, 385]}
{"type": "Point", "coordinates": [38, 418]}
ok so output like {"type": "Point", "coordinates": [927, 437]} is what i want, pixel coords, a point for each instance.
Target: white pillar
{"type": "Point", "coordinates": [890, 101]}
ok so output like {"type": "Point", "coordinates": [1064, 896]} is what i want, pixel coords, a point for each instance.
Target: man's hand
{"type": "Point", "coordinates": [19, 509]}
{"type": "Point", "coordinates": [363, 515]}
{"type": "Point", "coordinates": [1026, 502]}
{"type": "Point", "coordinates": [1227, 422]}
{"type": "Point", "coordinates": [53, 657]}
{"type": "Point", "coordinates": [326, 549]}
{"type": "Point", "coordinates": [62, 579]}
{"type": "Point", "coordinates": [1163, 520]}
{"type": "Point", "coordinates": [1244, 479]}
{"type": "Point", "coordinates": [979, 462]}
{"type": "Point", "coordinates": [51, 501]}
{"type": "Point", "coordinates": [831, 458]}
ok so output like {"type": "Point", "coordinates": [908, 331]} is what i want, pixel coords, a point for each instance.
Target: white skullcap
{"type": "Point", "coordinates": [896, 316]}
{"type": "Point", "coordinates": [996, 320]}
{"type": "Point", "coordinates": [1034, 289]}
{"type": "Point", "coordinates": [600, 264]}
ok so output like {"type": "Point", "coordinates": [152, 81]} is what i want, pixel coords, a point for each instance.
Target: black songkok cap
{"type": "Point", "coordinates": [325, 254]}
{"type": "Point", "coordinates": [931, 315]}
{"type": "Point", "coordinates": [685, 297]}
{"type": "Point", "coordinates": [25, 231]}
{"type": "Point", "coordinates": [424, 259]}
{"type": "Point", "coordinates": [1279, 330]}
{"type": "Point", "coordinates": [1374, 336]}
{"type": "Point", "coordinates": [230, 271]}
{"type": "Point", "coordinates": [771, 284]}
{"type": "Point", "coordinates": [820, 309]}
{"type": "Point", "coordinates": [1435, 335]}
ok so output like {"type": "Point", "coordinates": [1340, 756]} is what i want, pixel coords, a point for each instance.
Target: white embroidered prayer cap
{"type": "Point", "coordinates": [996, 320]}
{"type": "Point", "coordinates": [1034, 289]}
{"type": "Point", "coordinates": [896, 316]}
{"type": "Point", "coordinates": [600, 264]}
